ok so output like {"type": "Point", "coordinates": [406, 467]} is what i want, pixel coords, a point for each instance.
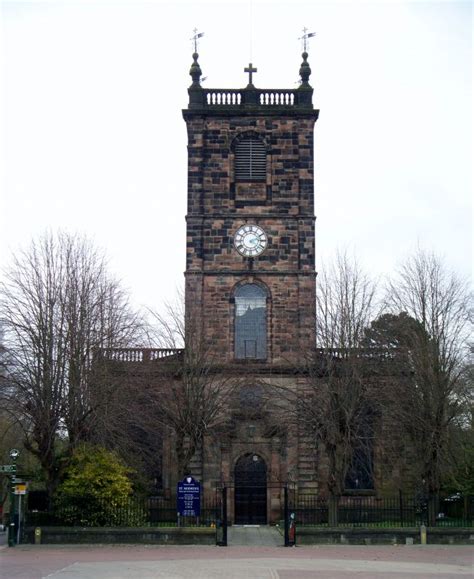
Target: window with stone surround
{"type": "Point", "coordinates": [250, 161]}
{"type": "Point", "coordinates": [360, 474]}
{"type": "Point", "coordinates": [250, 322]}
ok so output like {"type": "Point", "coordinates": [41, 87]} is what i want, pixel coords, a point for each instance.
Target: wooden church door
{"type": "Point", "coordinates": [250, 477]}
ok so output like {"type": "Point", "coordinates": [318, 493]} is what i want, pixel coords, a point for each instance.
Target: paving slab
{"type": "Point", "coordinates": [256, 569]}
{"type": "Point", "coordinates": [249, 562]}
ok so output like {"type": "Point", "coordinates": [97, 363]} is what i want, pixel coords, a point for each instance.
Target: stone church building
{"type": "Point", "coordinates": [250, 283]}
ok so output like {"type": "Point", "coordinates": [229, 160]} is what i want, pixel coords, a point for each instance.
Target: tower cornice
{"type": "Point", "coordinates": [257, 111]}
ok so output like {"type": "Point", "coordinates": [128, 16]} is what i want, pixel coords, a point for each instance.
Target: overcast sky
{"type": "Point", "coordinates": [93, 140]}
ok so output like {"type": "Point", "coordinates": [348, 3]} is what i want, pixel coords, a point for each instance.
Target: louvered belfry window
{"type": "Point", "coordinates": [250, 160]}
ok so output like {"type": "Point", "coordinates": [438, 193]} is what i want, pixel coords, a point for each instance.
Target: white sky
{"type": "Point", "coordinates": [93, 141]}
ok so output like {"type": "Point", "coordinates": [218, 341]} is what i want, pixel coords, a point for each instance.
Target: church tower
{"type": "Point", "coordinates": [250, 277]}
{"type": "Point", "coordinates": [250, 265]}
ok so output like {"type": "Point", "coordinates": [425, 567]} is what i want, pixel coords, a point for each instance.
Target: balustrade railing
{"type": "Point", "coordinates": [151, 354]}
{"type": "Point", "coordinates": [256, 97]}
{"type": "Point", "coordinates": [139, 354]}
{"type": "Point", "coordinates": [223, 97]}
{"type": "Point", "coordinates": [277, 97]}
{"type": "Point", "coordinates": [366, 353]}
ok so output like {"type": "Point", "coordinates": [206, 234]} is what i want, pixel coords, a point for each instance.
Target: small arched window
{"type": "Point", "coordinates": [250, 159]}
{"type": "Point", "coordinates": [250, 322]}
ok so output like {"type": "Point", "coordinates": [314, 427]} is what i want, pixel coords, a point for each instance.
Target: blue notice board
{"type": "Point", "coordinates": [189, 497]}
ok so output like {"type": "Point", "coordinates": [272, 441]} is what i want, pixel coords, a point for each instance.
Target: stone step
{"type": "Point", "coordinates": [254, 536]}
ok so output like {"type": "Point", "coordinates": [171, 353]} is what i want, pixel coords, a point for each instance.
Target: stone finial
{"type": "Point", "coordinates": [195, 71]}
{"type": "Point", "coordinates": [305, 70]}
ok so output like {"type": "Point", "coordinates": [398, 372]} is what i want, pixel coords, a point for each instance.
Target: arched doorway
{"type": "Point", "coordinates": [250, 477]}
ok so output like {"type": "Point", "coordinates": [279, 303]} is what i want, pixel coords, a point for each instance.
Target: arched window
{"type": "Point", "coordinates": [360, 474]}
{"type": "Point", "coordinates": [250, 159]}
{"type": "Point", "coordinates": [250, 322]}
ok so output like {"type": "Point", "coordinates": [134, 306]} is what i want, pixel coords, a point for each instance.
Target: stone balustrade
{"type": "Point", "coordinates": [362, 353]}
{"type": "Point", "coordinates": [152, 354]}
{"type": "Point", "coordinates": [237, 98]}
{"type": "Point", "coordinates": [249, 97]}
{"type": "Point", "coordinates": [223, 97]}
{"type": "Point", "coordinates": [139, 354]}
{"type": "Point", "coordinates": [282, 98]}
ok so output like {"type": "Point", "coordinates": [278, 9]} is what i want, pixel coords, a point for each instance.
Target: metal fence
{"type": "Point", "coordinates": [371, 511]}
{"type": "Point", "coordinates": [131, 512]}
{"type": "Point", "coordinates": [309, 510]}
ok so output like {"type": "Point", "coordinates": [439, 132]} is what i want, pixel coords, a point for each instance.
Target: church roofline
{"type": "Point", "coordinates": [378, 361]}
{"type": "Point", "coordinates": [251, 100]}
{"type": "Point", "coordinates": [267, 111]}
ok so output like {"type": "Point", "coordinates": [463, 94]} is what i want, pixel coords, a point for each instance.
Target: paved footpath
{"type": "Point", "coordinates": [254, 536]}
{"type": "Point", "coordinates": [309, 562]}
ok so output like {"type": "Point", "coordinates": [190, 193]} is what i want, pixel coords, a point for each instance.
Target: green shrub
{"type": "Point", "coordinates": [96, 491]}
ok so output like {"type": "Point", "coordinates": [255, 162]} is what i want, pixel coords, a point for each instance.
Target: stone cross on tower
{"type": "Point", "coordinates": [250, 69]}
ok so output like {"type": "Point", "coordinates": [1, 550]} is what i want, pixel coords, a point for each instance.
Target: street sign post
{"type": "Point", "coordinates": [20, 489]}
{"type": "Point", "coordinates": [8, 468]}
{"type": "Point", "coordinates": [11, 469]}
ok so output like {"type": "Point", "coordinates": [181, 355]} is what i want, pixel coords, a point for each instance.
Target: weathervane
{"type": "Point", "coordinates": [195, 38]}
{"type": "Point", "coordinates": [305, 37]}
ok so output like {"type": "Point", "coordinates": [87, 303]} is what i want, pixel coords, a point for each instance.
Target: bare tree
{"type": "Point", "coordinates": [336, 404]}
{"type": "Point", "coordinates": [58, 308]}
{"type": "Point", "coordinates": [435, 400]}
{"type": "Point", "coordinates": [345, 304]}
{"type": "Point", "coordinates": [125, 419]}
{"type": "Point", "coordinates": [194, 390]}
{"type": "Point", "coordinates": [168, 326]}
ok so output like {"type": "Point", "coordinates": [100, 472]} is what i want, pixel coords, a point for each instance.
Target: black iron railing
{"type": "Point", "coordinates": [309, 510]}
{"type": "Point", "coordinates": [371, 511]}
{"type": "Point", "coordinates": [130, 512]}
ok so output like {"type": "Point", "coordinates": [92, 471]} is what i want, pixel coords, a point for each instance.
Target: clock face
{"type": "Point", "coordinates": [250, 240]}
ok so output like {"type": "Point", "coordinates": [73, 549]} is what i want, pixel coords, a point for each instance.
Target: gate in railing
{"type": "Point", "coordinates": [253, 505]}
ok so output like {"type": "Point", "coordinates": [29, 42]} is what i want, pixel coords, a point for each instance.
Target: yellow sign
{"type": "Point", "coordinates": [20, 489]}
